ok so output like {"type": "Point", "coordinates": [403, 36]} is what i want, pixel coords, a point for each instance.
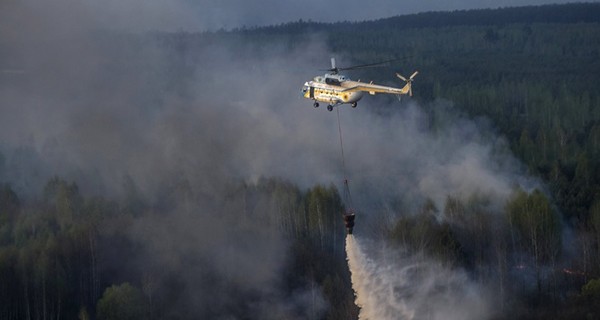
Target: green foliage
{"type": "Point", "coordinates": [590, 298]}
{"type": "Point", "coordinates": [538, 225]}
{"type": "Point", "coordinates": [591, 290]}
{"type": "Point", "coordinates": [56, 246]}
{"type": "Point", "coordinates": [424, 233]}
{"type": "Point", "coordinates": [83, 314]}
{"type": "Point", "coordinates": [595, 217]}
{"type": "Point", "coordinates": [66, 201]}
{"type": "Point", "coordinates": [324, 212]}
{"type": "Point", "coordinates": [47, 252]}
{"type": "Point", "coordinates": [122, 302]}
{"type": "Point", "coordinates": [9, 208]}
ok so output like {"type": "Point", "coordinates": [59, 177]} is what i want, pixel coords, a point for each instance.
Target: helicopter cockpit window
{"type": "Point", "coordinates": [332, 81]}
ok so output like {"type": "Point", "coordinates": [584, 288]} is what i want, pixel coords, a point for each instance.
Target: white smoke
{"type": "Point", "coordinates": [94, 107]}
{"type": "Point", "coordinates": [396, 286]}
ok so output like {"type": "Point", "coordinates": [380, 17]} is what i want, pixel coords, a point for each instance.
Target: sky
{"type": "Point", "coordinates": [197, 15]}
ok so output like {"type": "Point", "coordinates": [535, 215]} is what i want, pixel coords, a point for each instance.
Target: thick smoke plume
{"type": "Point", "coordinates": [96, 106]}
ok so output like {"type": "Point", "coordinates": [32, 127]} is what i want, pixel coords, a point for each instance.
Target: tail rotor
{"type": "Point", "coordinates": [408, 81]}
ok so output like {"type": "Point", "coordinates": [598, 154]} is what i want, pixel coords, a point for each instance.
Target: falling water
{"type": "Point", "coordinates": [371, 287]}
{"type": "Point", "coordinates": [397, 287]}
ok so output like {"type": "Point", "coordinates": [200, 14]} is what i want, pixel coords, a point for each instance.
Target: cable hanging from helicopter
{"type": "Point", "coordinates": [349, 213]}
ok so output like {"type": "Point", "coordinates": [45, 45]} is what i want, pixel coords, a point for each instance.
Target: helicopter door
{"type": "Point", "coordinates": [312, 92]}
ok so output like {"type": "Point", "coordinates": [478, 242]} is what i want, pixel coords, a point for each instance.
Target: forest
{"type": "Point", "coordinates": [184, 249]}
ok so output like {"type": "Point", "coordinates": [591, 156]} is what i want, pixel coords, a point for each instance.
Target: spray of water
{"type": "Point", "coordinates": [370, 287]}
{"type": "Point", "coordinates": [410, 287]}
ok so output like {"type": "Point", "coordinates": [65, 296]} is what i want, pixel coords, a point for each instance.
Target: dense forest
{"type": "Point", "coordinates": [531, 72]}
{"type": "Point", "coordinates": [67, 255]}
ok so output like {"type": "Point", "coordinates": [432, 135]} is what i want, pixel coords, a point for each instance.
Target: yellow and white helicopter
{"type": "Point", "coordinates": [333, 88]}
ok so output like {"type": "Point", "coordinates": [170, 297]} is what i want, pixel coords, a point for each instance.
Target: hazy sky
{"type": "Point", "coordinates": [211, 14]}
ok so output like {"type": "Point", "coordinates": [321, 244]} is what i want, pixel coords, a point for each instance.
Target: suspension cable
{"type": "Point", "coordinates": [341, 143]}
{"type": "Point", "coordinates": [348, 197]}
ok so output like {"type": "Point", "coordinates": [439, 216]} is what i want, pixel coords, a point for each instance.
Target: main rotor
{"type": "Point", "coordinates": [335, 70]}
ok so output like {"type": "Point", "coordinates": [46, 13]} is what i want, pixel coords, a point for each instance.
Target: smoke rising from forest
{"type": "Point", "coordinates": [103, 108]}
{"type": "Point", "coordinates": [116, 105]}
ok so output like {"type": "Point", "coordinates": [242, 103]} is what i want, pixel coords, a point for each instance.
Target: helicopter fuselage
{"type": "Point", "coordinates": [334, 89]}
{"type": "Point", "coordinates": [331, 89]}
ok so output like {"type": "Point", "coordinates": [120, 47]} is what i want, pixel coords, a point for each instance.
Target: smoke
{"type": "Point", "coordinates": [116, 112]}
{"type": "Point", "coordinates": [418, 158]}
{"type": "Point", "coordinates": [397, 286]}
{"type": "Point", "coordinates": [95, 106]}
{"type": "Point", "coordinates": [99, 104]}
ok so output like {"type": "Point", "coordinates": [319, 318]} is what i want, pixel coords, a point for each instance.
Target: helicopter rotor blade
{"type": "Point", "coordinates": [334, 69]}
{"type": "Point", "coordinates": [369, 65]}
{"type": "Point", "coordinates": [413, 75]}
{"type": "Point", "coordinates": [401, 77]}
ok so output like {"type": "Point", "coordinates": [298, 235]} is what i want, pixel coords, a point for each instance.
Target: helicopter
{"type": "Point", "coordinates": [334, 88]}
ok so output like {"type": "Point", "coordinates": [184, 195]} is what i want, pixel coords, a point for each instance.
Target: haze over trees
{"type": "Point", "coordinates": [531, 72]}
